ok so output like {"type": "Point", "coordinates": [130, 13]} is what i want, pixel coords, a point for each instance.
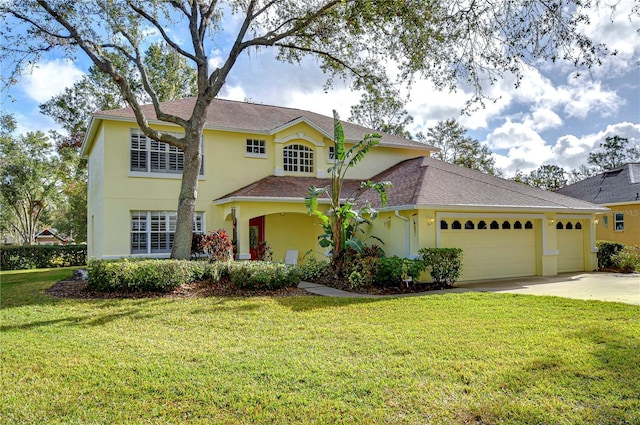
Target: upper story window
{"type": "Point", "coordinates": [256, 148]}
{"type": "Point", "coordinates": [151, 156]}
{"type": "Point", "coordinates": [298, 159]}
{"type": "Point", "coordinates": [618, 221]}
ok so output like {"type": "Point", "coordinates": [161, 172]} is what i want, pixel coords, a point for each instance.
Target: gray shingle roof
{"type": "Point", "coordinates": [252, 117]}
{"type": "Point", "coordinates": [427, 182]}
{"type": "Point", "coordinates": [618, 185]}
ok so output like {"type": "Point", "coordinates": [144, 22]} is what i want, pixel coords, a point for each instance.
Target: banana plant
{"type": "Point", "coordinates": [341, 222]}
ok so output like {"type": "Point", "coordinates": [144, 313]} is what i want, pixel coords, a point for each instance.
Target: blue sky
{"type": "Point", "coordinates": [553, 118]}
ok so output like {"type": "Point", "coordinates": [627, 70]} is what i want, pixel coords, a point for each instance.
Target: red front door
{"type": "Point", "coordinates": [256, 236]}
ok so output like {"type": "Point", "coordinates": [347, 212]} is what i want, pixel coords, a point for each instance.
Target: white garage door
{"type": "Point", "coordinates": [570, 239]}
{"type": "Point", "coordinates": [492, 248]}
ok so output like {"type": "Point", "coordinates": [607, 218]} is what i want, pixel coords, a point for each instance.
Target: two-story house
{"type": "Point", "coordinates": [258, 162]}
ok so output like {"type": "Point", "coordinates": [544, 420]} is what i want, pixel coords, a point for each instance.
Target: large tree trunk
{"type": "Point", "coordinates": [188, 194]}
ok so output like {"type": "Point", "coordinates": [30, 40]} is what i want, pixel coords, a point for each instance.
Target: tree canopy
{"type": "Point", "coordinates": [458, 148]}
{"type": "Point", "coordinates": [446, 41]}
{"type": "Point", "coordinates": [614, 152]}
{"type": "Point", "coordinates": [382, 112]}
{"type": "Point", "coordinates": [28, 181]}
{"type": "Point", "coordinates": [548, 177]}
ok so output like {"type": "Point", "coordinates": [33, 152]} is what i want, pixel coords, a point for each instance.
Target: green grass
{"type": "Point", "coordinates": [455, 358]}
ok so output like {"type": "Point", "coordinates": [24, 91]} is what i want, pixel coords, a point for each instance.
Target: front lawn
{"type": "Point", "coordinates": [440, 359]}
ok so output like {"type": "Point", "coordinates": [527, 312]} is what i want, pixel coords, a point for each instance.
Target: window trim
{"type": "Point", "coordinates": [296, 149]}
{"type": "Point", "coordinates": [261, 147]}
{"type": "Point", "coordinates": [168, 151]}
{"type": "Point", "coordinates": [617, 221]}
{"type": "Point", "coordinates": [169, 219]}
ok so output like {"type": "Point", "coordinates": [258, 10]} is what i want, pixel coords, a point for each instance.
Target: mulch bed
{"type": "Point", "coordinates": [412, 288]}
{"type": "Point", "coordinates": [77, 287]}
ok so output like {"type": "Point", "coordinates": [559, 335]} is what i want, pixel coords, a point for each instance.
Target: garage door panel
{"type": "Point", "coordinates": [493, 253]}
{"type": "Point", "coordinates": [571, 250]}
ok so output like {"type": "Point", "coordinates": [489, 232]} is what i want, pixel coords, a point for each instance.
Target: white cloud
{"type": "Point", "coordinates": [543, 119]}
{"type": "Point", "coordinates": [571, 151]}
{"type": "Point", "coordinates": [519, 147]}
{"type": "Point", "coordinates": [589, 97]}
{"type": "Point", "coordinates": [48, 79]}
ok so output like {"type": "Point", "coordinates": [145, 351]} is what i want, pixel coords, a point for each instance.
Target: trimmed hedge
{"type": "Point", "coordinates": [444, 264]}
{"type": "Point", "coordinates": [145, 275]}
{"type": "Point", "coordinates": [42, 256]}
{"type": "Point", "coordinates": [606, 252]}
{"type": "Point", "coordinates": [138, 276]}
{"type": "Point", "coordinates": [263, 275]}
{"type": "Point", "coordinates": [391, 270]}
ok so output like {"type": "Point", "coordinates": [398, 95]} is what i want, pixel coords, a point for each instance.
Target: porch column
{"type": "Point", "coordinates": [549, 246]}
{"type": "Point", "coordinates": [242, 230]}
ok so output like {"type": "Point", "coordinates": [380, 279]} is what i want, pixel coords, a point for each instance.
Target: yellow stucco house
{"type": "Point", "coordinates": [259, 161]}
{"type": "Point", "coordinates": [618, 190]}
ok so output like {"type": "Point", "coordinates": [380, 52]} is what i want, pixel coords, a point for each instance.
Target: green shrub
{"type": "Point", "coordinates": [139, 276]}
{"type": "Point", "coordinates": [606, 251]}
{"type": "Point", "coordinates": [391, 269]}
{"type": "Point", "coordinates": [263, 275]}
{"type": "Point", "coordinates": [42, 256]}
{"type": "Point", "coordinates": [444, 264]}
{"type": "Point", "coordinates": [204, 270]}
{"type": "Point", "coordinates": [628, 259]}
{"type": "Point", "coordinates": [313, 269]}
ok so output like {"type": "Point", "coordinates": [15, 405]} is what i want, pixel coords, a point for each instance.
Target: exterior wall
{"type": "Point", "coordinates": [115, 191]}
{"type": "Point", "coordinates": [630, 235]}
{"type": "Point", "coordinates": [293, 231]}
{"type": "Point", "coordinates": [95, 197]}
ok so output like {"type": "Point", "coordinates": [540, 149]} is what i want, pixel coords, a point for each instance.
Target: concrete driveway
{"type": "Point", "coordinates": [618, 287]}
{"type": "Point", "coordinates": [623, 288]}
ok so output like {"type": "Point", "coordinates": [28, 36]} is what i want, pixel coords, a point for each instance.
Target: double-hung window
{"type": "Point", "coordinates": [151, 156]}
{"type": "Point", "coordinates": [152, 232]}
{"type": "Point", "coordinates": [298, 159]}
{"type": "Point", "coordinates": [618, 221]}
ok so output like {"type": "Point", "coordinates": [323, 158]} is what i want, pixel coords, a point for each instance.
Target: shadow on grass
{"type": "Point", "coordinates": [309, 303]}
{"type": "Point", "coordinates": [85, 320]}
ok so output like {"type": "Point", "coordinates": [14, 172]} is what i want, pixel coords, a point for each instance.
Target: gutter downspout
{"type": "Point", "coordinates": [407, 250]}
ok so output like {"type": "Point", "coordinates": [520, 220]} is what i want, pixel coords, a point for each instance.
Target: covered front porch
{"type": "Point", "coordinates": [283, 226]}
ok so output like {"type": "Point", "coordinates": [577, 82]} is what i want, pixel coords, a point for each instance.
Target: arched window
{"type": "Point", "coordinates": [569, 226]}
{"type": "Point", "coordinates": [469, 225]}
{"type": "Point", "coordinates": [559, 226]}
{"type": "Point", "coordinates": [494, 225]}
{"type": "Point", "coordinates": [506, 225]}
{"type": "Point", "coordinates": [297, 158]}
{"type": "Point", "coordinates": [528, 225]}
{"type": "Point", "coordinates": [456, 225]}
{"type": "Point", "coordinates": [482, 225]}
{"type": "Point", "coordinates": [444, 225]}
{"type": "Point", "coordinates": [578, 226]}
{"type": "Point", "coordinates": [517, 225]}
